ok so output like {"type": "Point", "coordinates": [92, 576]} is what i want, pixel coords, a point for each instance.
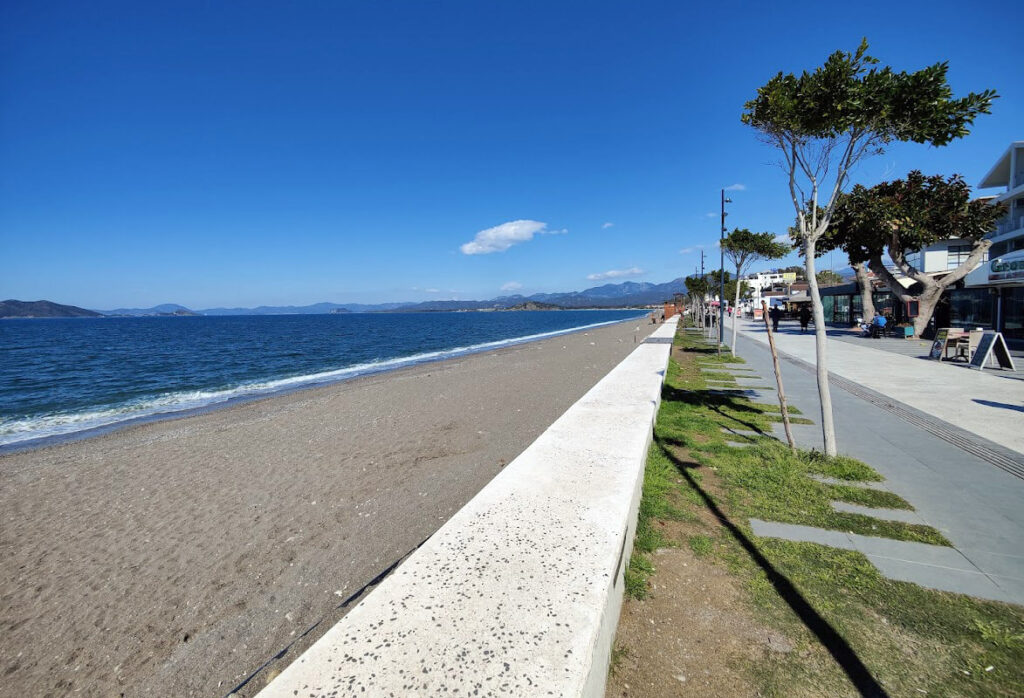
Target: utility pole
{"type": "Point", "coordinates": [721, 278]}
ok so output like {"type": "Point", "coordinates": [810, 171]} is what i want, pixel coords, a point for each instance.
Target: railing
{"type": "Point", "coordinates": [1008, 225]}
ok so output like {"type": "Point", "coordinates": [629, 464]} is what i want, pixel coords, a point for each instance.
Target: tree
{"type": "Point", "coordinates": [907, 215]}
{"type": "Point", "coordinates": [743, 248]}
{"type": "Point", "coordinates": [697, 289]}
{"type": "Point", "coordinates": [827, 121]}
{"type": "Point", "coordinates": [827, 277]}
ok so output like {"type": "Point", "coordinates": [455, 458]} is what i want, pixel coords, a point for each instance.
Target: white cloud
{"type": "Point", "coordinates": [616, 274]}
{"type": "Point", "coordinates": [511, 286]}
{"type": "Point", "coordinates": [607, 225]}
{"type": "Point", "coordinates": [696, 248]}
{"type": "Point", "coordinates": [783, 238]}
{"type": "Point", "coordinates": [501, 237]}
{"type": "Point", "coordinates": [711, 214]}
{"type": "Point", "coordinates": [736, 187]}
{"type": "Point", "coordinates": [432, 290]}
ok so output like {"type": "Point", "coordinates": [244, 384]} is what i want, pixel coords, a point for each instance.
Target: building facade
{"type": "Point", "coordinates": [995, 290]}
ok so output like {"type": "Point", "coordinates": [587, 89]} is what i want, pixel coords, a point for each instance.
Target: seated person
{"type": "Point", "coordinates": [878, 325]}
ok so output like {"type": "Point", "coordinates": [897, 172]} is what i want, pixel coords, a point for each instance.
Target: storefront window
{"type": "Point", "coordinates": [970, 307]}
{"type": "Point", "coordinates": [841, 314]}
{"type": "Point", "coordinates": [828, 304]}
{"type": "Point", "coordinates": [1013, 312]}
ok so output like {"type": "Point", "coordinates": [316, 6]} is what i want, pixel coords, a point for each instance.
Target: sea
{"type": "Point", "coordinates": [67, 378]}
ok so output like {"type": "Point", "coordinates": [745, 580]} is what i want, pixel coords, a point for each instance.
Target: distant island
{"type": "Point", "coordinates": [629, 294]}
{"type": "Point", "coordinates": [535, 305]}
{"type": "Point", "coordinates": [14, 309]}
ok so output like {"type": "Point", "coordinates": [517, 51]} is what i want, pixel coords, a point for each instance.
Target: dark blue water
{"type": "Point", "coordinates": [60, 376]}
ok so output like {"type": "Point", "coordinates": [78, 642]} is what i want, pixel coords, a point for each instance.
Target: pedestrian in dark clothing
{"type": "Point", "coordinates": [775, 314]}
{"type": "Point", "coordinates": [805, 318]}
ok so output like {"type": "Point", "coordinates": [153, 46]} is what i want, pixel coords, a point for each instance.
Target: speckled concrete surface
{"type": "Point", "coordinates": [519, 593]}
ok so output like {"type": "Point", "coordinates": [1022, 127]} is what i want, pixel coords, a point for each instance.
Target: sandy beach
{"type": "Point", "coordinates": [175, 558]}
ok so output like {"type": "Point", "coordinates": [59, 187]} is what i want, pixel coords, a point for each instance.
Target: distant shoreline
{"type": "Point", "coordinates": [104, 316]}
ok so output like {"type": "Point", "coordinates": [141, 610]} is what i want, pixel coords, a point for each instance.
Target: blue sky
{"type": "Point", "coordinates": [226, 154]}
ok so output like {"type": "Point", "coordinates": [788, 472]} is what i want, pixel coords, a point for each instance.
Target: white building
{"type": "Point", "coordinates": [1001, 278]}
{"type": "Point", "coordinates": [766, 281]}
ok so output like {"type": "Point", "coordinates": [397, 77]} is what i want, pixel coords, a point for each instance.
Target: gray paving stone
{"type": "Point", "coordinates": [866, 484]}
{"type": "Point", "coordinates": [1011, 566]}
{"type": "Point", "coordinates": [739, 444]}
{"type": "Point", "coordinates": [910, 551]}
{"type": "Point", "coordinates": [801, 534]}
{"type": "Point", "coordinates": [957, 581]}
{"type": "Point", "coordinates": [1014, 588]}
{"type": "Point", "coordinates": [904, 515]}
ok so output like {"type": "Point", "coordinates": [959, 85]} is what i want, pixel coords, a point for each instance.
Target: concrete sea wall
{"type": "Point", "coordinates": [519, 593]}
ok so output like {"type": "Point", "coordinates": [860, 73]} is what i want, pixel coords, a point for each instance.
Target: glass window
{"type": "Point", "coordinates": [1013, 312]}
{"type": "Point", "coordinates": [970, 307]}
{"type": "Point", "coordinates": [957, 255]}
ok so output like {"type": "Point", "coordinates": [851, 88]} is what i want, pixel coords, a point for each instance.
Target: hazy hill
{"type": "Point", "coordinates": [626, 294]}
{"type": "Point", "coordinates": [14, 308]}
{"type": "Point", "coordinates": [164, 309]}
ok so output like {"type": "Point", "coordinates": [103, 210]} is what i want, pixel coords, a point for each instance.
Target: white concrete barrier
{"type": "Point", "coordinates": [519, 593]}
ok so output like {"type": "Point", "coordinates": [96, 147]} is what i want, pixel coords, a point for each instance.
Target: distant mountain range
{"type": "Point", "coordinates": [624, 295]}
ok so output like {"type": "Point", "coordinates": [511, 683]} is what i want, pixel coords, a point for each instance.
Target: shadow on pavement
{"type": "Point", "coordinates": [1001, 405]}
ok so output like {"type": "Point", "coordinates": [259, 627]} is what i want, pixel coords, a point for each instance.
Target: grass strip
{"type": "Point", "coordinates": [912, 640]}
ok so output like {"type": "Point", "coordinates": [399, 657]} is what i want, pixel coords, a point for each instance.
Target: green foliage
{"type": "Point", "coordinates": [743, 248]}
{"type": "Point", "coordinates": [825, 121]}
{"type": "Point", "coordinates": [696, 286]}
{"type": "Point", "coordinates": [850, 95]}
{"type": "Point", "coordinates": [640, 568]}
{"type": "Point", "coordinates": [906, 215]}
{"type": "Point", "coordinates": [827, 277]}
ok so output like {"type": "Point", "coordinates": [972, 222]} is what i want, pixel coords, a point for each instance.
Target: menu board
{"type": "Point", "coordinates": [992, 343]}
{"type": "Point", "coordinates": [939, 345]}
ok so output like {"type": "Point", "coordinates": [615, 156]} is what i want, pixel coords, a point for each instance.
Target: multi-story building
{"type": "Point", "coordinates": [1001, 278]}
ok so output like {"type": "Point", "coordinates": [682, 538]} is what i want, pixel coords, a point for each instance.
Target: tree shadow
{"type": "Point", "coordinates": [716, 402]}
{"type": "Point", "coordinates": [1001, 405]}
{"type": "Point", "coordinates": [841, 652]}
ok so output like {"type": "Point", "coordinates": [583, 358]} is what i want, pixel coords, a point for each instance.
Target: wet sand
{"type": "Point", "coordinates": [175, 558]}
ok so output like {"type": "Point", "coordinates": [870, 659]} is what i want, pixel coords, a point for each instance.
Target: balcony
{"type": "Point", "coordinates": [1008, 225]}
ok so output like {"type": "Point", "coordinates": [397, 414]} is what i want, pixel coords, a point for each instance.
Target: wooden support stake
{"type": "Point", "coordinates": [778, 378]}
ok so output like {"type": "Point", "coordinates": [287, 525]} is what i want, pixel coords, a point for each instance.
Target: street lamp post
{"type": "Point", "coordinates": [721, 277]}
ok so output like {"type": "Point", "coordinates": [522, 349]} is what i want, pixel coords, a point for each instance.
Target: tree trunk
{"type": "Point", "coordinates": [932, 291]}
{"type": "Point", "coordinates": [926, 303]}
{"type": "Point", "coordinates": [778, 379]}
{"type": "Point", "coordinates": [867, 301]}
{"type": "Point", "coordinates": [828, 429]}
{"type": "Point", "coordinates": [735, 311]}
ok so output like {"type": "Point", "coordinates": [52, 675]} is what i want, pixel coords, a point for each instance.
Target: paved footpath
{"type": "Point", "coordinates": [980, 402]}
{"type": "Point", "coordinates": [966, 491]}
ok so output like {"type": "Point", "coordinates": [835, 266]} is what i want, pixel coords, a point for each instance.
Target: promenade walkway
{"type": "Point", "coordinates": [925, 428]}
{"type": "Point", "coordinates": [981, 402]}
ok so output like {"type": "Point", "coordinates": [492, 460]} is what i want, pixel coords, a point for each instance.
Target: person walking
{"type": "Point", "coordinates": [805, 318]}
{"type": "Point", "coordinates": [775, 314]}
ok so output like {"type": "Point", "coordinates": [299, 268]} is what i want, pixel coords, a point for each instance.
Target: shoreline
{"type": "Point", "coordinates": [176, 557]}
{"type": "Point", "coordinates": [396, 364]}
